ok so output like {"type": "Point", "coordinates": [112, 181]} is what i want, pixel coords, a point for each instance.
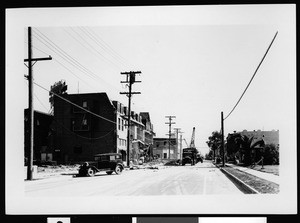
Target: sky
{"type": "Point", "coordinates": [193, 72]}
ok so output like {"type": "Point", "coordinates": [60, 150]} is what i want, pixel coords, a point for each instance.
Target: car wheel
{"type": "Point", "coordinates": [109, 172]}
{"type": "Point", "coordinates": [118, 169]}
{"type": "Point", "coordinates": [90, 172]}
{"type": "Point", "coordinates": [81, 172]}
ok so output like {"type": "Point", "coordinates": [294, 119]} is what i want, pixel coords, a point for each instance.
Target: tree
{"type": "Point", "coordinates": [58, 88]}
{"type": "Point", "coordinates": [271, 154]}
{"type": "Point", "coordinates": [244, 146]}
{"type": "Point", "coordinates": [214, 142]}
{"type": "Point", "coordinates": [232, 147]}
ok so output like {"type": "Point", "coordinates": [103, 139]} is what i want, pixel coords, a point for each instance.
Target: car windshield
{"type": "Point", "coordinates": [187, 154]}
{"type": "Point", "coordinates": [107, 157]}
{"type": "Point", "coordinates": [101, 158]}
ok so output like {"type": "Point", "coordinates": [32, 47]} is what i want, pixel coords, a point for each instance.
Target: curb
{"type": "Point", "coordinates": [245, 188]}
{"type": "Point", "coordinates": [240, 184]}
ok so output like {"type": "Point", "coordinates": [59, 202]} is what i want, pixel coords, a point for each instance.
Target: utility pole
{"type": "Point", "coordinates": [170, 124]}
{"type": "Point", "coordinates": [222, 139]}
{"type": "Point", "coordinates": [30, 103]}
{"type": "Point", "coordinates": [180, 151]}
{"type": "Point", "coordinates": [130, 79]}
{"type": "Point", "coordinates": [177, 131]}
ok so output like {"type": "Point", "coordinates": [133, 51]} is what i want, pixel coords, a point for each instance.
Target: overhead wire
{"type": "Point", "coordinates": [103, 45]}
{"type": "Point", "coordinates": [61, 64]}
{"type": "Point", "coordinates": [252, 77]}
{"type": "Point", "coordinates": [69, 59]}
{"type": "Point", "coordinates": [88, 138]}
{"type": "Point", "coordinates": [63, 54]}
{"type": "Point", "coordinates": [86, 110]}
{"type": "Point", "coordinates": [94, 48]}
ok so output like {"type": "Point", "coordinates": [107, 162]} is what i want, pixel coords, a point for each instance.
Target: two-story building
{"type": "Point", "coordinates": [163, 148]}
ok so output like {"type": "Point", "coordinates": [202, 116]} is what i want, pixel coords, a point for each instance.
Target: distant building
{"type": "Point", "coordinates": [161, 148]}
{"type": "Point", "coordinates": [43, 138]}
{"type": "Point", "coordinates": [148, 134]}
{"type": "Point", "coordinates": [270, 137]}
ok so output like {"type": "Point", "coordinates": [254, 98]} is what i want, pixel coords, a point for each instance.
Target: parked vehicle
{"type": "Point", "coordinates": [109, 162]}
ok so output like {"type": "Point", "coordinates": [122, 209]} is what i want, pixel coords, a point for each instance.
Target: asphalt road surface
{"type": "Point", "coordinates": [203, 178]}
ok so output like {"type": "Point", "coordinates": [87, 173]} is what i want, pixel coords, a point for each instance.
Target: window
{"type": "Point", "coordinates": [119, 123]}
{"type": "Point", "coordinates": [122, 125]}
{"type": "Point", "coordinates": [165, 155]}
{"type": "Point", "coordinates": [84, 104]}
{"type": "Point", "coordinates": [80, 124]}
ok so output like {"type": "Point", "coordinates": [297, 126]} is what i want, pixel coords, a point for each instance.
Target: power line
{"type": "Point", "coordinates": [92, 47]}
{"type": "Point", "coordinates": [100, 42]}
{"type": "Point", "coordinates": [69, 59]}
{"type": "Point", "coordinates": [87, 33]}
{"type": "Point", "coordinates": [252, 76]}
{"type": "Point", "coordinates": [63, 54]}
{"type": "Point", "coordinates": [99, 116]}
{"type": "Point", "coordinates": [100, 137]}
{"type": "Point", "coordinates": [61, 64]}
{"type": "Point", "coordinates": [88, 138]}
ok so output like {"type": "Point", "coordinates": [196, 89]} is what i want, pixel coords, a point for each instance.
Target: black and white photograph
{"type": "Point", "coordinates": [151, 110]}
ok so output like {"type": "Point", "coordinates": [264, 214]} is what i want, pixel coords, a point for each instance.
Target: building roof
{"type": "Point", "coordinates": [145, 115]}
{"type": "Point", "coordinates": [40, 112]}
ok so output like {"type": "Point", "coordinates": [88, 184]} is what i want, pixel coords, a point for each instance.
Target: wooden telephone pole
{"type": "Point", "coordinates": [30, 103]}
{"type": "Point", "coordinates": [177, 141]}
{"type": "Point", "coordinates": [222, 140]}
{"type": "Point", "coordinates": [130, 79]}
{"type": "Point", "coordinates": [170, 124]}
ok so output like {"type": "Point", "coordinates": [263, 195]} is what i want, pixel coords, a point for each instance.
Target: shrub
{"type": "Point", "coordinates": [271, 155]}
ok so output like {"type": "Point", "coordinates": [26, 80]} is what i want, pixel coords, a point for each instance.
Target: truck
{"type": "Point", "coordinates": [189, 155]}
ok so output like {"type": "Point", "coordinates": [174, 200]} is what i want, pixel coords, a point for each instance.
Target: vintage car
{"type": "Point", "coordinates": [109, 162]}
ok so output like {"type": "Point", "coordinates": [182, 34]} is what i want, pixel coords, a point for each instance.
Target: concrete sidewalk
{"type": "Point", "coordinates": [266, 176]}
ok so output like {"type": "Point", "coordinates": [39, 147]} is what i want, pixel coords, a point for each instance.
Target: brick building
{"type": "Point", "coordinates": [79, 135]}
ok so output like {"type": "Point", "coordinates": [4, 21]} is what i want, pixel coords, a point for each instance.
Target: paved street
{"type": "Point", "coordinates": [202, 178]}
